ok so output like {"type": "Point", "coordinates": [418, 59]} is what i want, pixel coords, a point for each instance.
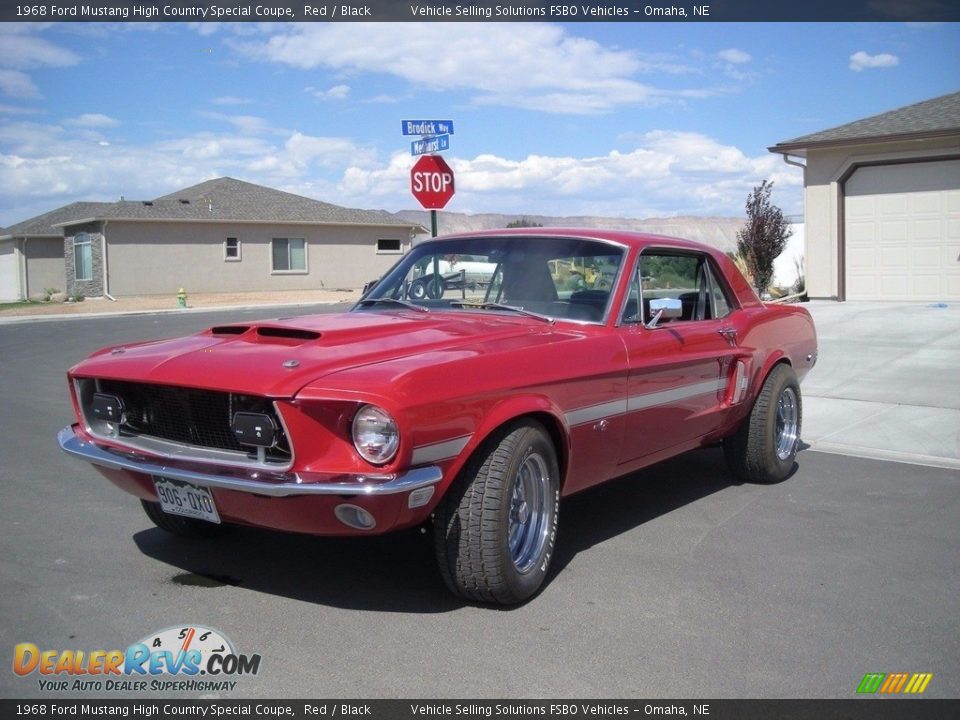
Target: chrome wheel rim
{"type": "Point", "coordinates": [529, 513]}
{"type": "Point", "coordinates": [787, 423]}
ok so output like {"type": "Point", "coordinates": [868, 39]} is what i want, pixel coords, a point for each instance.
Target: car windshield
{"type": "Point", "coordinates": [555, 277]}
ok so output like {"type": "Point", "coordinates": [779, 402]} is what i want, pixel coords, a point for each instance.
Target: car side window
{"type": "Point", "coordinates": [719, 294]}
{"type": "Point", "coordinates": [685, 276]}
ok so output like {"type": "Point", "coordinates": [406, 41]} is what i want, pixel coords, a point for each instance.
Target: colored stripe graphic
{"type": "Point", "coordinates": [918, 683]}
{"type": "Point", "coordinates": [871, 682]}
{"type": "Point", "coordinates": [893, 683]}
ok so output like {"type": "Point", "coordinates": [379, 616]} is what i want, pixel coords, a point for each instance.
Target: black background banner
{"type": "Point", "coordinates": [482, 11]}
{"type": "Point", "coordinates": [855, 709]}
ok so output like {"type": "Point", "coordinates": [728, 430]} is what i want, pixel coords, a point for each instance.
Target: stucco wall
{"type": "Point", "coordinates": [44, 259]}
{"type": "Point", "coordinates": [148, 258]}
{"type": "Point", "coordinates": [822, 200]}
{"type": "Point", "coordinates": [9, 271]}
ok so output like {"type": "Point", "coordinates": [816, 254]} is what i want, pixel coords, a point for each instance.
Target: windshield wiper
{"type": "Point", "coordinates": [393, 301]}
{"type": "Point", "coordinates": [501, 306]}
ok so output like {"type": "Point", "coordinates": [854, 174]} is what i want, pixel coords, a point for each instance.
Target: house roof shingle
{"type": "Point", "coordinates": [43, 225]}
{"type": "Point", "coordinates": [231, 199]}
{"type": "Point", "coordinates": [222, 199]}
{"type": "Point", "coordinates": [936, 117]}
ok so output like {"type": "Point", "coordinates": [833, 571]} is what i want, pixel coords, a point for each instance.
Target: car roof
{"type": "Point", "coordinates": [627, 238]}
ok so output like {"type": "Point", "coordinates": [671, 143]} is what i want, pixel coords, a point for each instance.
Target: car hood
{"type": "Point", "coordinates": [276, 358]}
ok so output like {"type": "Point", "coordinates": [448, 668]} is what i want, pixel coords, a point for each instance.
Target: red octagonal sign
{"type": "Point", "coordinates": [431, 182]}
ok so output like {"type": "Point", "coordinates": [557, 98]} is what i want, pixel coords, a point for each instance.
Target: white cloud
{"type": "Point", "coordinates": [658, 173]}
{"type": "Point", "coordinates": [337, 92]}
{"type": "Point", "coordinates": [230, 100]}
{"type": "Point", "coordinates": [92, 120]}
{"type": "Point", "coordinates": [47, 166]}
{"type": "Point", "coordinates": [533, 66]}
{"type": "Point", "coordinates": [23, 50]}
{"type": "Point", "coordinates": [18, 84]}
{"type": "Point", "coordinates": [14, 110]}
{"type": "Point", "coordinates": [861, 60]}
{"type": "Point", "coordinates": [666, 173]}
{"type": "Point", "coordinates": [734, 56]}
{"type": "Point", "coordinates": [246, 124]}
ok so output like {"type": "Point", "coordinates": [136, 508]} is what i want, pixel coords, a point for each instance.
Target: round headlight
{"type": "Point", "coordinates": [375, 435]}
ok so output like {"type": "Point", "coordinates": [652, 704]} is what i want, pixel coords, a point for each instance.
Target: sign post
{"type": "Point", "coordinates": [431, 182]}
{"type": "Point", "coordinates": [431, 179]}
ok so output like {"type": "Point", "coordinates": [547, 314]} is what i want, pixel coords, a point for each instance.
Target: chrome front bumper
{"type": "Point", "coordinates": [281, 484]}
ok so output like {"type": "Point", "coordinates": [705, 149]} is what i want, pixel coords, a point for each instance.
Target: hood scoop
{"type": "Point", "coordinates": [267, 331]}
{"type": "Point", "coordinates": [277, 334]}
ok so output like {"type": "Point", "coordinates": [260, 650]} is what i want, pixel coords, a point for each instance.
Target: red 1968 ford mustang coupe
{"type": "Point", "coordinates": [482, 379]}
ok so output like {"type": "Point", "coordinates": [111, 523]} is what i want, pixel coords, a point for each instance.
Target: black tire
{"type": "Point", "coordinates": [492, 544]}
{"type": "Point", "coordinates": [428, 286]}
{"type": "Point", "coordinates": [764, 448]}
{"type": "Point", "coordinates": [179, 525]}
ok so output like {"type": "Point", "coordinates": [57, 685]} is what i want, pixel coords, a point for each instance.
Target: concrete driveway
{"type": "Point", "coordinates": [887, 382]}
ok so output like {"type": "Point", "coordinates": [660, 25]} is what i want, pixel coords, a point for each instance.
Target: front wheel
{"type": "Point", "coordinates": [495, 531]}
{"type": "Point", "coordinates": [765, 446]}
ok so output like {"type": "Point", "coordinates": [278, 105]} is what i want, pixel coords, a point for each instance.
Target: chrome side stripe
{"type": "Point", "coordinates": [642, 401]}
{"type": "Point", "coordinates": [662, 397]}
{"type": "Point", "coordinates": [439, 451]}
{"type": "Point", "coordinates": [596, 412]}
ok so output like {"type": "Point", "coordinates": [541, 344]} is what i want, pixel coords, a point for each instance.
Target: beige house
{"type": "Point", "coordinates": [32, 254]}
{"type": "Point", "coordinates": [224, 235]}
{"type": "Point", "coordinates": [882, 204]}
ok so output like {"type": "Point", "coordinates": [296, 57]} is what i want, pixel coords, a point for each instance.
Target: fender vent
{"type": "Point", "coordinates": [229, 330]}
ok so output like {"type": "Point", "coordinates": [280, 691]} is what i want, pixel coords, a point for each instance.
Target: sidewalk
{"type": "Point", "coordinates": [160, 303]}
{"type": "Point", "coordinates": [886, 384]}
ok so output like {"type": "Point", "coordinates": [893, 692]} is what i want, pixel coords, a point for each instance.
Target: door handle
{"type": "Point", "coordinates": [729, 334]}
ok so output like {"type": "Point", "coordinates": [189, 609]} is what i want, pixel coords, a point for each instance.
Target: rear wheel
{"type": "Point", "coordinates": [495, 530]}
{"type": "Point", "coordinates": [179, 525]}
{"type": "Point", "coordinates": [764, 448]}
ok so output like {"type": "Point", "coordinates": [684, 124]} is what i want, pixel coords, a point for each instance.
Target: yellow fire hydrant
{"type": "Point", "coordinates": [181, 298]}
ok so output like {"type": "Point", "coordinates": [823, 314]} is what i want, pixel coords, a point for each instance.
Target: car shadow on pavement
{"type": "Point", "coordinates": [594, 516]}
{"type": "Point", "coordinates": [397, 572]}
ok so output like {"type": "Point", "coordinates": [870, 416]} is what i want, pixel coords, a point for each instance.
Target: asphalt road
{"type": "Point", "coordinates": [672, 582]}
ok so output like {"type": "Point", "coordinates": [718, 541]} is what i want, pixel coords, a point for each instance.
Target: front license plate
{"type": "Point", "coordinates": [182, 498]}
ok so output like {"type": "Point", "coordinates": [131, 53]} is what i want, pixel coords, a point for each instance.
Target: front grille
{"type": "Point", "coordinates": [187, 416]}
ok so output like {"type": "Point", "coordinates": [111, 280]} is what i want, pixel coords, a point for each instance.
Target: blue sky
{"type": "Point", "coordinates": [616, 119]}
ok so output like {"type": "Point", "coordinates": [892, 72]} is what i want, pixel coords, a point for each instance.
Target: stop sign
{"type": "Point", "coordinates": [431, 182]}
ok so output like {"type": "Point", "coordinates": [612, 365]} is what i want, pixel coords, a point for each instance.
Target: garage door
{"type": "Point", "coordinates": [902, 236]}
{"type": "Point", "coordinates": [9, 277]}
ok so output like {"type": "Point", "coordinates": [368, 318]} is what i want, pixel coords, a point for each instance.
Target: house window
{"type": "Point", "coordinates": [231, 249]}
{"type": "Point", "coordinates": [82, 257]}
{"type": "Point", "coordinates": [289, 255]}
{"type": "Point", "coordinates": [389, 246]}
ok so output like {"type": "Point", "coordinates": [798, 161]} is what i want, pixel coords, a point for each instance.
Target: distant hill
{"type": "Point", "coordinates": [718, 232]}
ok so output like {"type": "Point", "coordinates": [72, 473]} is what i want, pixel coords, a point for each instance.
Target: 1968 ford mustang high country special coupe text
{"type": "Point", "coordinates": [478, 382]}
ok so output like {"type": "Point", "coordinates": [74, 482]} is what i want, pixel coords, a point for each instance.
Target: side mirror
{"type": "Point", "coordinates": [369, 286]}
{"type": "Point", "coordinates": [664, 309]}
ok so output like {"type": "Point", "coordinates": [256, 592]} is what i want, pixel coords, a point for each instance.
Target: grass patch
{"type": "Point", "coordinates": [18, 304]}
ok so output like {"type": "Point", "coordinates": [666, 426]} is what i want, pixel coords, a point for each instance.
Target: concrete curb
{"type": "Point", "coordinates": [163, 311]}
{"type": "Point", "coordinates": [886, 455]}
